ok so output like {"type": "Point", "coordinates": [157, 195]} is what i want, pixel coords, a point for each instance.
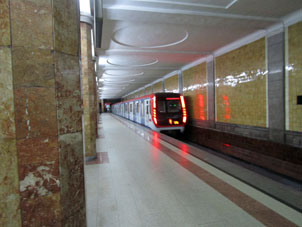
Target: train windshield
{"type": "Point", "coordinates": [173, 106]}
{"type": "Point", "coordinates": [168, 106]}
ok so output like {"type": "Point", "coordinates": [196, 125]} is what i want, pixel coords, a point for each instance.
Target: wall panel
{"type": "Point", "coordinates": [171, 84]}
{"type": "Point", "coordinates": [241, 85]}
{"type": "Point", "coordinates": [195, 91]}
{"type": "Point", "coordinates": [294, 76]}
{"type": "Point", "coordinates": [158, 87]}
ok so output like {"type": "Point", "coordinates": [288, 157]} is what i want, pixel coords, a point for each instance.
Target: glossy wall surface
{"type": "Point", "coordinates": [241, 85]}
{"type": "Point", "coordinates": [294, 68]}
{"type": "Point", "coordinates": [158, 87]}
{"type": "Point", "coordinates": [171, 84]}
{"type": "Point", "coordinates": [148, 90]}
{"type": "Point", "coordinates": [195, 91]}
{"type": "Point", "coordinates": [140, 93]}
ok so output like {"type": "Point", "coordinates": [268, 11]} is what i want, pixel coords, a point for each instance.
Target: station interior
{"type": "Point", "coordinates": [72, 156]}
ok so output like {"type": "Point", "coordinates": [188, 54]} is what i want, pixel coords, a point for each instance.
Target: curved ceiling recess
{"type": "Point", "coordinates": [150, 36]}
{"type": "Point", "coordinates": [132, 62]}
{"type": "Point", "coordinates": [121, 73]}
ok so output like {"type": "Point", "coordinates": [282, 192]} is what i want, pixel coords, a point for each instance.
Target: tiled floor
{"type": "Point", "coordinates": [149, 182]}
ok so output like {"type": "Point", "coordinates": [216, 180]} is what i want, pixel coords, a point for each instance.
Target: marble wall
{"type": "Point", "coordinates": [40, 113]}
{"type": "Point", "coordinates": [157, 87]}
{"type": "Point", "coordinates": [141, 93]}
{"type": "Point", "coordinates": [148, 90]}
{"type": "Point", "coordinates": [4, 23]}
{"type": "Point", "coordinates": [88, 90]}
{"type": "Point", "coordinates": [171, 84]}
{"type": "Point", "coordinates": [195, 91]}
{"type": "Point", "coordinates": [10, 213]}
{"type": "Point", "coordinates": [294, 68]}
{"type": "Point", "coordinates": [241, 85]}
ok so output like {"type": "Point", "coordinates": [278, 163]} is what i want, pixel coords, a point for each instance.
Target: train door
{"type": "Point", "coordinates": [131, 111]}
{"type": "Point", "coordinates": [134, 111]}
{"type": "Point", "coordinates": [126, 110]}
{"type": "Point", "coordinates": [137, 112]}
{"type": "Point", "coordinates": [142, 112]}
{"type": "Point", "coordinates": [147, 113]}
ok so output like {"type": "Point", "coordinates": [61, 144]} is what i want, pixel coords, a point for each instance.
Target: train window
{"type": "Point", "coordinates": [130, 107]}
{"type": "Point", "coordinates": [161, 107]}
{"type": "Point", "coordinates": [147, 107]}
{"type": "Point", "coordinates": [173, 106]}
{"type": "Point", "coordinates": [137, 107]}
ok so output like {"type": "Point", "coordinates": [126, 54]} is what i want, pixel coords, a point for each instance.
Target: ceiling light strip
{"type": "Point", "coordinates": [188, 3]}
{"type": "Point", "coordinates": [191, 12]}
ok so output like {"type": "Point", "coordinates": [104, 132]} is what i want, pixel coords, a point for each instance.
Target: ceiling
{"type": "Point", "coordinates": [144, 40]}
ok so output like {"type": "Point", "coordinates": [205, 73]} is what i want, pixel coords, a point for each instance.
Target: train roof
{"type": "Point", "coordinates": [157, 94]}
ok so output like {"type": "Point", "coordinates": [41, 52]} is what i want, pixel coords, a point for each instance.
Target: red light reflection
{"type": "Point", "coordinates": [201, 107]}
{"type": "Point", "coordinates": [185, 149]}
{"type": "Point", "coordinates": [155, 151]}
{"type": "Point", "coordinates": [155, 139]}
{"type": "Point", "coordinates": [227, 109]}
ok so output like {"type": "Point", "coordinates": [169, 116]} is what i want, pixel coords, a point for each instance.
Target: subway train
{"type": "Point", "coordinates": [158, 111]}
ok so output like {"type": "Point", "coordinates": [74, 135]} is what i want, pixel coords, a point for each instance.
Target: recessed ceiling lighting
{"type": "Point", "coordinates": [102, 61]}
{"type": "Point", "coordinates": [119, 81]}
{"type": "Point", "coordinates": [119, 73]}
{"type": "Point", "coordinates": [85, 6]}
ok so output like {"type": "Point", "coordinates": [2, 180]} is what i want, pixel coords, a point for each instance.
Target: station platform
{"type": "Point", "coordinates": [141, 178]}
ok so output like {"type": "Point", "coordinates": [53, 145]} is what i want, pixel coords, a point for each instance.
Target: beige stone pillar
{"type": "Point", "coordinates": [41, 145]}
{"type": "Point", "coordinates": [88, 91]}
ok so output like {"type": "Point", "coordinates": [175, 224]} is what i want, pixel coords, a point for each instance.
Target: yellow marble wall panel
{"type": "Point", "coordinates": [9, 184]}
{"type": "Point", "coordinates": [66, 26]}
{"type": "Point", "coordinates": [88, 91]}
{"type": "Point", "coordinates": [7, 117]}
{"type": "Point", "coordinates": [68, 93]}
{"type": "Point", "coordinates": [241, 85]}
{"type": "Point", "coordinates": [33, 67]}
{"type": "Point", "coordinates": [295, 76]}
{"type": "Point", "coordinates": [148, 90]}
{"type": "Point", "coordinates": [141, 93]}
{"type": "Point", "coordinates": [171, 84]}
{"type": "Point", "coordinates": [36, 114]}
{"type": "Point", "coordinates": [158, 87]}
{"type": "Point", "coordinates": [195, 91]}
{"type": "Point", "coordinates": [32, 23]}
{"type": "Point", "coordinates": [4, 23]}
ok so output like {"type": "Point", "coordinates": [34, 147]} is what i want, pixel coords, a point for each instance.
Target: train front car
{"type": "Point", "coordinates": [168, 111]}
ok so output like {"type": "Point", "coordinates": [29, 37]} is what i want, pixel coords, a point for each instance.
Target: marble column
{"type": "Point", "coordinates": [276, 87]}
{"type": "Point", "coordinates": [10, 213]}
{"type": "Point", "coordinates": [41, 170]}
{"type": "Point", "coordinates": [89, 92]}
